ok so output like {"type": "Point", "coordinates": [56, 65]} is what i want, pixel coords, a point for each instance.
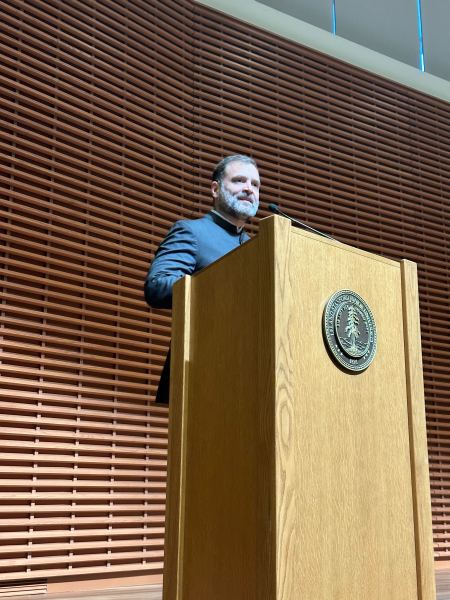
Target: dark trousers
{"type": "Point", "coordinates": [162, 394]}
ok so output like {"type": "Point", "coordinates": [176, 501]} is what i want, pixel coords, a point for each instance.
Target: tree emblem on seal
{"type": "Point", "coordinates": [352, 328]}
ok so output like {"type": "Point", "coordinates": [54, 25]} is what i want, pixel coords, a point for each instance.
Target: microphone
{"type": "Point", "coordinates": [274, 208]}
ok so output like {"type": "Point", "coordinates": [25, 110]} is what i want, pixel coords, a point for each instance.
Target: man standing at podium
{"type": "Point", "coordinates": [192, 245]}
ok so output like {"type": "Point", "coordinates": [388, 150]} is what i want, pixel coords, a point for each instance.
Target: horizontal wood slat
{"type": "Point", "coordinates": [95, 572]}
{"type": "Point", "coordinates": [120, 516]}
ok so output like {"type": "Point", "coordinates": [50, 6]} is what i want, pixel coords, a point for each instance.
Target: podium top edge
{"type": "Point", "coordinates": [270, 221]}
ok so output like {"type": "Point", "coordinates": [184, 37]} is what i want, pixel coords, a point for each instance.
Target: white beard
{"type": "Point", "coordinates": [234, 206]}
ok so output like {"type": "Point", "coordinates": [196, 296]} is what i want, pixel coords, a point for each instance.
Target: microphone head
{"type": "Point", "coordinates": [273, 208]}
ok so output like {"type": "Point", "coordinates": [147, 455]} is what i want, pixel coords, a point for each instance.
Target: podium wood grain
{"type": "Point", "coordinates": [297, 478]}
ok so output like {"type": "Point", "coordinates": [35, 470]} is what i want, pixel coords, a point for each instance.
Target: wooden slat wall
{"type": "Point", "coordinates": [112, 114]}
{"type": "Point", "coordinates": [95, 117]}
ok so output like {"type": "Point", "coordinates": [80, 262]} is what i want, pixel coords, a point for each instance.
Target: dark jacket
{"type": "Point", "coordinates": [188, 247]}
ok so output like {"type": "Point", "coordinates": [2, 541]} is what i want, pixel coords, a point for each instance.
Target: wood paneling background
{"type": "Point", "coordinates": [95, 115]}
{"type": "Point", "coordinates": [112, 115]}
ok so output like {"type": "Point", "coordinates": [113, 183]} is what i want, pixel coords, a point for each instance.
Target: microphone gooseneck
{"type": "Point", "coordinates": [276, 210]}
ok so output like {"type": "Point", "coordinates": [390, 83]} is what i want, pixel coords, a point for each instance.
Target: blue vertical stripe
{"type": "Point", "coordinates": [420, 31]}
{"type": "Point", "coordinates": [333, 16]}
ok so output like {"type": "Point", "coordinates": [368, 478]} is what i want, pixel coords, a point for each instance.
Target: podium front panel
{"type": "Point", "coordinates": [344, 490]}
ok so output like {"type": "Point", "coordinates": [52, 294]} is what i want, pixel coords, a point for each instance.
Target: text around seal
{"type": "Point", "coordinates": [349, 330]}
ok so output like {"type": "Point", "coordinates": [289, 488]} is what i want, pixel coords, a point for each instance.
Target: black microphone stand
{"type": "Point", "coordinates": [274, 208]}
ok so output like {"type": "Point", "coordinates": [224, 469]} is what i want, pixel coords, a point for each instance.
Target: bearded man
{"type": "Point", "coordinates": [192, 245]}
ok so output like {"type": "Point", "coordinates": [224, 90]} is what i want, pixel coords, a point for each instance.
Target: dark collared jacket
{"type": "Point", "coordinates": [188, 247]}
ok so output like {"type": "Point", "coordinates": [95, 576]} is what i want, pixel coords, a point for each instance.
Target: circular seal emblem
{"type": "Point", "coordinates": [349, 330]}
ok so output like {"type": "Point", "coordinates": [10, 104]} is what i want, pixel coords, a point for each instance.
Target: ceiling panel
{"type": "Point", "coordinates": [315, 12]}
{"type": "Point", "coordinates": [436, 37]}
{"type": "Point", "coordinates": [384, 26]}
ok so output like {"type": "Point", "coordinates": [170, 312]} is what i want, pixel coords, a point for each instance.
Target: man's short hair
{"type": "Point", "coordinates": [219, 170]}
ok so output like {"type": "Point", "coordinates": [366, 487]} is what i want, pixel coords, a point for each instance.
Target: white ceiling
{"type": "Point", "coordinates": [389, 27]}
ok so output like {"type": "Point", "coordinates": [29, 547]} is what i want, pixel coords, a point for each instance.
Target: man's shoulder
{"type": "Point", "coordinates": [195, 225]}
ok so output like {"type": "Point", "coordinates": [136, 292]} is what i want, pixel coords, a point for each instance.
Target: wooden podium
{"type": "Point", "coordinates": [289, 477]}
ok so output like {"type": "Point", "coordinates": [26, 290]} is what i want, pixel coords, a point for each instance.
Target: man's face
{"type": "Point", "coordinates": [238, 194]}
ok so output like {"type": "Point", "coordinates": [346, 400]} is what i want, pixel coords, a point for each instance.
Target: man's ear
{"type": "Point", "coordinates": [215, 189]}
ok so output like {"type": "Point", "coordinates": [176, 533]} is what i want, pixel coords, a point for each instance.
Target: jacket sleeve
{"type": "Point", "coordinates": [175, 257]}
